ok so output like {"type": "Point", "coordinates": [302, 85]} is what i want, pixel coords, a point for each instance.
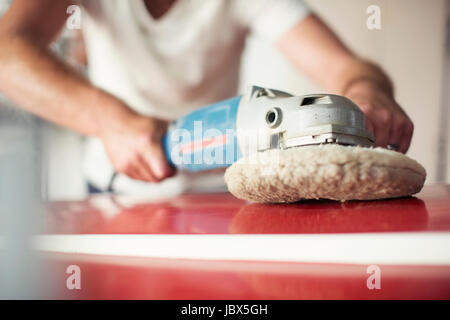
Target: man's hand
{"type": "Point", "coordinates": [384, 117]}
{"type": "Point", "coordinates": [134, 146]}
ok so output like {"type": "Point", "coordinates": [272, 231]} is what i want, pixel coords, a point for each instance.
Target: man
{"type": "Point", "coordinates": [155, 60]}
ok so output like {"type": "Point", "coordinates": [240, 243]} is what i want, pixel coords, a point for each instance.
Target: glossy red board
{"type": "Point", "coordinates": [223, 214]}
{"type": "Point", "coordinates": [107, 277]}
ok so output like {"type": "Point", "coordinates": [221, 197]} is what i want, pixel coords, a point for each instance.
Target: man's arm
{"type": "Point", "coordinates": [316, 50]}
{"type": "Point", "coordinates": [39, 82]}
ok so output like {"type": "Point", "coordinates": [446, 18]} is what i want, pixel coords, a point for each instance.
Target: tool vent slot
{"type": "Point", "coordinates": [316, 100]}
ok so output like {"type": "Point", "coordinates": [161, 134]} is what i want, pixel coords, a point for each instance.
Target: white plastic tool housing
{"type": "Point", "coordinates": [272, 119]}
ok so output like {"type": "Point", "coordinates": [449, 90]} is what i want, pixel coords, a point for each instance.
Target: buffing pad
{"type": "Point", "coordinates": [324, 172]}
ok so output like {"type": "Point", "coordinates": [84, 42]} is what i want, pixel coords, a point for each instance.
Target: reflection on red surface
{"type": "Point", "coordinates": [407, 214]}
{"type": "Point", "coordinates": [222, 214]}
{"type": "Point", "coordinates": [137, 278]}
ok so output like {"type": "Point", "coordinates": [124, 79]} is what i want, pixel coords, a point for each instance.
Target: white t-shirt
{"type": "Point", "coordinates": [167, 67]}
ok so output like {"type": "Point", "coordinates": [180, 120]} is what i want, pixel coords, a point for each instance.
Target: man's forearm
{"type": "Point", "coordinates": [316, 50]}
{"type": "Point", "coordinates": [33, 78]}
{"type": "Point", "coordinates": [356, 71]}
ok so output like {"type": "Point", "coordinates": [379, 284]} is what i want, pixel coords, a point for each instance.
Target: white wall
{"type": "Point", "coordinates": [62, 164]}
{"type": "Point", "coordinates": [409, 46]}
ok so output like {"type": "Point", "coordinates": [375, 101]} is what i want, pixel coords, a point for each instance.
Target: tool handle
{"type": "Point", "coordinates": [205, 139]}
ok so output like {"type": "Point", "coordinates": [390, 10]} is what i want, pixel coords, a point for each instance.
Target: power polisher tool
{"type": "Point", "coordinates": [284, 148]}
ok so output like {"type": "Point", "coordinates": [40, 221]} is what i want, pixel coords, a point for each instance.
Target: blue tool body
{"type": "Point", "coordinates": [205, 139]}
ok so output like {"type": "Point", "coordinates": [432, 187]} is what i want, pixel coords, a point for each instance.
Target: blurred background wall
{"type": "Point", "coordinates": [410, 46]}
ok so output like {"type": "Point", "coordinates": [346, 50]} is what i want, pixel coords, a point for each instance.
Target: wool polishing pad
{"type": "Point", "coordinates": [324, 172]}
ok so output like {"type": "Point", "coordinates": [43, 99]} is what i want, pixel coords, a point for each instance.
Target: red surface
{"type": "Point", "coordinates": [144, 278]}
{"type": "Point", "coordinates": [222, 214]}
{"type": "Point", "coordinates": [140, 278]}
